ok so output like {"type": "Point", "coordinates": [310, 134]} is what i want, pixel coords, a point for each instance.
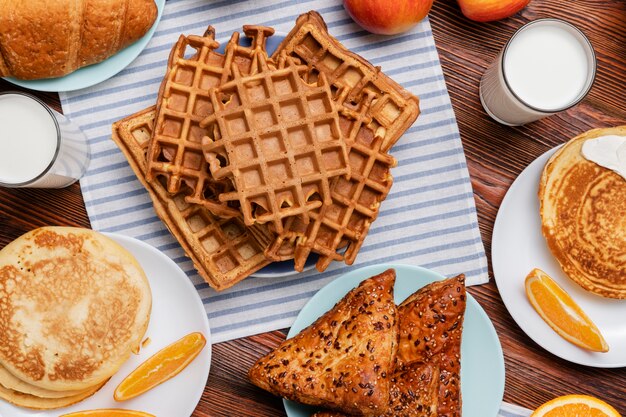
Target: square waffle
{"type": "Point", "coordinates": [223, 251]}
{"type": "Point", "coordinates": [344, 223]}
{"type": "Point", "coordinates": [393, 109]}
{"type": "Point", "coordinates": [278, 138]}
{"type": "Point", "coordinates": [183, 102]}
{"type": "Point", "coordinates": [374, 112]}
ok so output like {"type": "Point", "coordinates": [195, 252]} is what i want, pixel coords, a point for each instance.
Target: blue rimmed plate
{"type": "Point", "coordinates": [96, 73]}
{"type": "Point", "coordinates": [482, 362]}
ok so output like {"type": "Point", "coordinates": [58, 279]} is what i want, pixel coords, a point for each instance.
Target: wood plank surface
{"type": "Point", "coordinates": [496, 155]}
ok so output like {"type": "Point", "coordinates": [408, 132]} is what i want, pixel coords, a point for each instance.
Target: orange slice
{"type": "Point", "coordinates": [109, 412]}
{"type": "Point", "coordinates": [557, 308]}
{"type": "Point", "coordinates": [163, 365]}
{"type": "Point", "coordinates": [575, 406]}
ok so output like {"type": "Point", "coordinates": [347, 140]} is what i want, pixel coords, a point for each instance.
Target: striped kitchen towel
{"type": "Point", "coordinates": [429, 219]}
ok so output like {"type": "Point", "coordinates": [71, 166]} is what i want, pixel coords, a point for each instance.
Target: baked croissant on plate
{"type": "Point", "coordinates": [43, 39]}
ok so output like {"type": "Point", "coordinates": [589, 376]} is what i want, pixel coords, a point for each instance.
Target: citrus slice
{"type": "Point", "coordinates": [575, 406]}
{"type": "Point", "coordinates": [557, 308]}
{"type": "Point", "coordinates": [109, 412]}
{"type": "Point", "coordinates": [160, 367]}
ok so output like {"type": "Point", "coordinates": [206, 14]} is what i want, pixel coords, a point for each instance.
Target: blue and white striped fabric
{"type": "Point", "coordinates": [429, 218]}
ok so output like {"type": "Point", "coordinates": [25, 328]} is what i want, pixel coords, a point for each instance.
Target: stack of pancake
{"type": "Point", "coordinates": [73, 305]}
{"type": "Point", "coordinates": [583, 214]}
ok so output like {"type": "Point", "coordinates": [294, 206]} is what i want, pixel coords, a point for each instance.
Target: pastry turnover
{"type": "Point", "coordinates": [424, 379]}
{"type": "Point", "coordinates": [344, 360]}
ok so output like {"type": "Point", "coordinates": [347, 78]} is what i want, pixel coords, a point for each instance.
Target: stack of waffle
{"type": "Point", "coordinates": [252, 159]}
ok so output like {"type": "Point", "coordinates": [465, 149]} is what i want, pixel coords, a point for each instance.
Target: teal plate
{"type": "Point", "coordinates": [96, 73]}
{"type": "Point", "coordinates": [482, 362]}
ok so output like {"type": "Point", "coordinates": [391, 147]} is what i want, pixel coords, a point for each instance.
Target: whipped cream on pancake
{"type": "Point", "coordinates": [607, 151]}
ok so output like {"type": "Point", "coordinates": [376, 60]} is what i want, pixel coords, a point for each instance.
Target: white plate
{"type": "Point", "coordinates": [518, 247]}
{"type": "Point", "coordinates": [176, 311]}
{"type": "Point", "coordinates": [284, 268]}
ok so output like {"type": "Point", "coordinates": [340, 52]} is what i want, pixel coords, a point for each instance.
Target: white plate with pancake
{"type": "Point", "coordinates": [518, 247]}
{"type": "Point", "coordinates": [176, 311]}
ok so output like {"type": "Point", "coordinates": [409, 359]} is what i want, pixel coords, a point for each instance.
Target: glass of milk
{"type": "Point", "coordinates": [39, 147]}
{"type": "Point", "coordinates": [546, 67]}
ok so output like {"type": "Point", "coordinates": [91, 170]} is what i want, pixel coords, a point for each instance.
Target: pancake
{"type": "Point", "coordinates": [38, 403]}
{"type": "Point", "coordinates": [73, 305]}
{"type": "Point", "coordinates": [10, 381]}
{"type": "Point", "coordinates": [583, 215]}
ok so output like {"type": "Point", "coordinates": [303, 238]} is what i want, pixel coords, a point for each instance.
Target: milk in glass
{"type": "Point", "coordinates": [546, 67]}
{"type": "Point", "coordinates": [39, 147]}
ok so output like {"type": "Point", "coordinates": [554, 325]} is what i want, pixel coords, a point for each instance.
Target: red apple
{"type": "Point", "coordinates": [490, 10]}
{"type": "Point", "coordinates": [387, 17]}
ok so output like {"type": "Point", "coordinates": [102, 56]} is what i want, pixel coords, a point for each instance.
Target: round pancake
{"type": "Point", "coordinates": [583, 214]}
{"type": "Point", "coordinates": [10, 381]}
{"type": "Point", "coordinates": [73, 305]}
{"type": "Point", "coordinates": [38, 403]}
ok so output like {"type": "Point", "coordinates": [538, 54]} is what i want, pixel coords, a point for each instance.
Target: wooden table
{"type": "Point", "coordinates": [496, 155]}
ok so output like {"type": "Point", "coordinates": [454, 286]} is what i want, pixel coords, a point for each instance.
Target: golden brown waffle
{"type": "Point", "coordinates": [393, 109]}
{"type": "Point", "coordinates": [345, 222]}
{"type": "Point", "coordinates": [175, 151]}
{"type": "Point", "coordinates": [278, 137]}
{"type": "Point", "coordinates": [223, 251]}
{"type": "Point", "coordinates": [374, 112]}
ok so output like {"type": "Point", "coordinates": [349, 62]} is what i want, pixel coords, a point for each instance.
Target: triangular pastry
{"type": "Point", "coordinates": [413, 393]}
{"type": "Point", "coordinates": [430, 329]}
{"type": "Point", "coordinates": [345, 359]}
{"type": "Point", "coordinates": [427, 379]}
{"type": "Point", "coordinates": [430, 319]}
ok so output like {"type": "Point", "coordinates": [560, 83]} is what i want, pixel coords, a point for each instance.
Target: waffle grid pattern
{"type": "Point", "coordinates": [428, 218]}
{"type": "Point", "coordinates": [393, 108]}
{"type": "Point", "coordinates": [339, 229]}
{"type": "Point", "coordinates": [279, 139]}
{"type": "Point", "coordinates": [223, 250]}
{"type": "Point", "coordinates": [374, 113]}
{"type": "Point", "coordinates": [175, 152]}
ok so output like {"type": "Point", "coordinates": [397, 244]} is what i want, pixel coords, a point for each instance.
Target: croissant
{"type": "Point", "coordinates": [43, 38]}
